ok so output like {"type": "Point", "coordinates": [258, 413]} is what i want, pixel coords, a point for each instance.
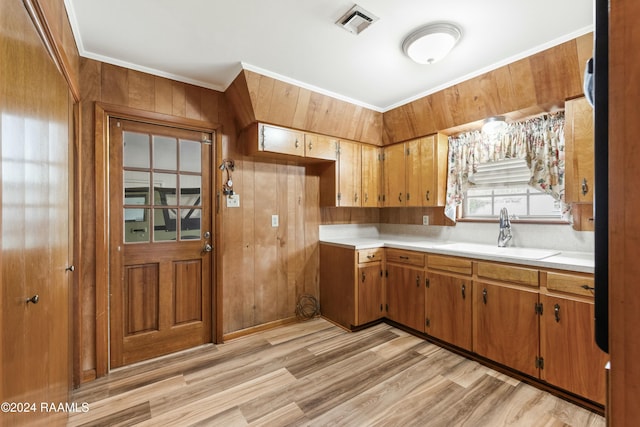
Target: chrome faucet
{"type": "Point", "coordinates": [505, 228]}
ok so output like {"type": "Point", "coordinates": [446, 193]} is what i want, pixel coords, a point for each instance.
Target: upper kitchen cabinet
{"type": "Point", "coordinates": [579, 141]}
{"type": "Point", "coordinates": [277, 142]}
{"type": "Point", "coordinates": [371, 176]}
{"type": "Point", "coordinates": [415, 172]}
{"type": "Point", "coordinates": [341, 181]}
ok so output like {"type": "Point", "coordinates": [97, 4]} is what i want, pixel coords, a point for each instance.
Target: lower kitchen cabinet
{"type": "Point", "coordinates": [448, 309]}
{"type": "Point", "coordinates": [351, 285]}
{"type": "Point", "coordinates": [405, 295]}
{"type": "Point", "coordinates": [572, 361]}
{"type": "Point", "coordinates": [505, 327]}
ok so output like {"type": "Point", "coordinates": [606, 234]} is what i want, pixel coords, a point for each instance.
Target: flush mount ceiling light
{"type": "Point", "coordinates": [494, 124]}
{"type": "Point", "coordinates": [431, 43]}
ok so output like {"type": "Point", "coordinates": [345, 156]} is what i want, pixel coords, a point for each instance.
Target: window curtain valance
{"type": "Point", "coordinates": [539, 141]}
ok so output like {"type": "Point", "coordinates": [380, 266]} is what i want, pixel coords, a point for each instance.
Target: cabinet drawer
{"type": "Point", "coordinates": [570, 283]}
{"type": "Point", "coordinates": [507, 273]}
{"type": "Point", "coordinates": [452, 264]}
{"type": "Point", "coordinates": [370, 255]}
{"type": "Point", "coordinates": [405, 257]}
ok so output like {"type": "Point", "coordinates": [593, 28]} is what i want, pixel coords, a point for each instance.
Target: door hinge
{"type": "Point", "coordinates": [538, 308]}
{"type": "Point", "coordinates": [540, 362]}
{"type": "Point", "coordinates": [427, 323]}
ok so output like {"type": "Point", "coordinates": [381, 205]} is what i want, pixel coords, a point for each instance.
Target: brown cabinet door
{"type": "Point", "coordinates": [506, 326]}
{"type": "Point", "coordinates": [371, 175]}
{"type": "Point", "coordinates": [579, 151]}
{"type": "Point", "coordinates": [413, 171]}
{"type": "Point", "coordinates": [428, 171]}
{"type": "Point", "coordinates": [370, 293]}
{"type": "Point", "coordinates": [448, 309]}
{"type": "Point", "coordinates": [394, 175]}
{"type": "Point", "coordinates": [280, 140]}
{"type": "Point", "coordinates": [160, 240]}
{"type": "Point", "coordinates": [320, 147]}
{"type": "Point", "coordinates": [572, 360]}
{"type": "Point", "coordinates": [349, 177]}
{"type": "Point", "coordinates": [405, 296]}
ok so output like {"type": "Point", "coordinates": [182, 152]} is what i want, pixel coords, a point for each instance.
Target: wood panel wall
{"type": "Point", "coordinates": [254, 97]}
{"type": "Point", "coordinates": [624, 207]}
{"type": "Point", "coordinates": [525, 87]}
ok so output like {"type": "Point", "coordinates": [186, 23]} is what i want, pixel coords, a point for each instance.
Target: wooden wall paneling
{"type": "Point", "coordinates": [624, 227]}
{"type": "Point", "coordinates": [285, 238]}
{"type": "Point", "coordinates": [141, 91]}
{"type": "Point", "coordinates": [543, 80]}
{"type": "Point", "coordinates": [115, 85]}
{"type": "Point", "coordinates": [311, 221]}
{"type": "Point", "coordinates": [163, 95]}
{"type": "Point", "coordinates": [282, 103]}
{"type": "Point", "coordinates": [178, 99]}
{"type": "Point", "coordinates": [239, 99]}
{"type": "Point", "coordinates": [249, 253]}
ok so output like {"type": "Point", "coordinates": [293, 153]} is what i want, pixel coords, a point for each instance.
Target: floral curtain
{"type": "Point", "coordinates": [539, 141]}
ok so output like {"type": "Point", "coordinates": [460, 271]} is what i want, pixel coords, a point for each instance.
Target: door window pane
{"type": "Point", "coordinates": [190, 224]}
{"type": "Point", "coordinates": [165, 153]}
{"type": "Point", "coordinates": [165, 185]}
{"type": "Point", "coordinates": [136, 150]}
{"type": "Point", "coordinates": [136, 188]}
{"type": "Point", "coordinates": [165, 224]}
{"type": "Point", "coordinates": [190, 190]}
{"type": "Point", "coordinates": [189, 156]}
{"type": "Point", "coordinates": [136, 225]}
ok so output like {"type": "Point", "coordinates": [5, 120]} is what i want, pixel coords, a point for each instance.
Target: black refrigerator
{"type": "Point", "coordinates": [597, 91]}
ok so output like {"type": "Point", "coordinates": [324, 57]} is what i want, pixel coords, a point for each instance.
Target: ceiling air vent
{"type": "Point", "coordinates": [356, 20]}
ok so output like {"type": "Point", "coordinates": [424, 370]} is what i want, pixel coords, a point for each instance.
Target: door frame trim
{"type": "Point", "coordinates": [103, 112]}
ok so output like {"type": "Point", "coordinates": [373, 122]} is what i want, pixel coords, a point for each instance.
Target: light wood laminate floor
{"type": "Point", "coordinates": [316, 374]}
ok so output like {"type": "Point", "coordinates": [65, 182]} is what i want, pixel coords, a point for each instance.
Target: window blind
{"type": "Point", "coordinates": [506, 172]}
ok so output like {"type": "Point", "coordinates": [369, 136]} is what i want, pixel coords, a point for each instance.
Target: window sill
{"type": "Point", "coordinates": [516, 221]}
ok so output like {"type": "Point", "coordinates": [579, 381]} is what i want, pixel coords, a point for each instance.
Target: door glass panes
{"type": "Point", "coordinates": [189, 156]}
{"type": "Point", "coordinates": [162, 182]}
{"type": "Point", "coordinates": [136, 150]}
{"type": "Point", "coordinates": [165, 153]}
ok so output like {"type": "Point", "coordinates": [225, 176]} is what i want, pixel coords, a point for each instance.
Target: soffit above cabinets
{"type": "Point", "coordinates": [208, 42]}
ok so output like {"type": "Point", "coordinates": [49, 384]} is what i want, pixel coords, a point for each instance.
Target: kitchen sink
{"type": "Point", "coordinates": [510, 252]}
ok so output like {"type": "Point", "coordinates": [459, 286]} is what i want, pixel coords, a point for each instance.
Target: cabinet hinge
{"type": "Point", "coordinates": [408, 196]}
{"type": "Point", "coordinates": [262, 137]}
{"type": "Point", "coordinates": [539, 308]}
{"type": "Point", "coordinates": [337, 149]}
{"type": "Point", "coordinates": [339, 196]}
{"type": "Point", "coordinates": [427, 323]}
{"type": "Point", "coordinates": [408, 151]}
{"type": "Point", "coordinates": [540, 362]}
{"type": "Point", "coordinates": [426, 282]}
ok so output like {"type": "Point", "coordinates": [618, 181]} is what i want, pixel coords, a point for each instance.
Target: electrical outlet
{"type": "Point", "coordinates": [233, 201]}
{"type": "Point", "coordinates": [274, 220]}
{"type": "Point", "coordinates": [425, 219]}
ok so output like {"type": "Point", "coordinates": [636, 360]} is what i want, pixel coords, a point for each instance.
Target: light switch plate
{"type": "Point", "coordinates": [425, 219]}
{"type": "Point", "coordinates": [233, 201]}
{"type": "Point", "coordinates": [274, 220]}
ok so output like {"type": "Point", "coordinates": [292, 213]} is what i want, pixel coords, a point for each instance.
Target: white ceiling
{"type": "Point", "coordinates": [208, 42]}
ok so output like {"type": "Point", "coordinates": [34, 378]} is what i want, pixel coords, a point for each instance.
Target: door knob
{"type": "Point", "coordinates": [207, 248]}
{"type": "Point", "coordinates": [34, 299]}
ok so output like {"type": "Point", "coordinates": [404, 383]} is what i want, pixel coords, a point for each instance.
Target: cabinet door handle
{"type": "Point", "coordinates": [364, 277]}
{"type": "Point", "coordinates": [310, 146]}
{"type": "Point", "coordinates": [484, 296]}
{"type": "Point", "coordinates": [556, 312]}
{"type": "Point", "coordinates": [400, 197]}
{"type": "Point", "coordinates": [585, 187]}
{"type": "Point", "coordinates": [371, 256]}
{"type": "Point", "coordinates": [403, 257]}
{"type": "Point", "coordinates": [464, 291]}
{"type": "Point", "coordinates": [418, 280]}
{"type": "Point", "coordinates": [355, 197]}
{"type": "Point", "coordinates": [297, 143]}
{"type": "Point", "coordinates": [427, 195]}
{"type": "Point", "coordinates": [366, 197]}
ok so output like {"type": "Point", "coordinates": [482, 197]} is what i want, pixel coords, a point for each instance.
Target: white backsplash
{"type": "Point", "coordinates": [552, 236]}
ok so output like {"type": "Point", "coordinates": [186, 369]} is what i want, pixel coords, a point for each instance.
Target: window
{"type": "Point", "coordinates": [504, 184]}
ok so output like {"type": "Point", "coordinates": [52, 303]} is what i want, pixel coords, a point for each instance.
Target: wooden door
{"type": "Point", "coordinates": [371, 175]}
{"type": "Point", "coordinates": [394, 175]}
{"type": "Point", "coordinates": [448, 309]}
{"type": "Point", "coordinates": [572, 360]}
{"type": "Point", "coordinates": [349, 176]}
{"type": "Point", "coordinates": [160, 240]}
{"type": "Point", "coordinates": [506, 327]}
{"type": "Point", "coordinates": [36, 123]}
{"type": "Point", "coordinates": [405, 296]}
{"type": "Point", "coordinates": [370, 293]}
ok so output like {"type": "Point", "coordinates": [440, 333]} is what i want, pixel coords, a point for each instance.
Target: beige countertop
{"type": "Point", "coordinates": [554, 259]}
